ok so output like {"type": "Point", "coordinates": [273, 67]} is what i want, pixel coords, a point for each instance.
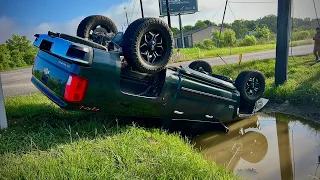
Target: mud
{"type": "Point", "coordinates": [302, 111]}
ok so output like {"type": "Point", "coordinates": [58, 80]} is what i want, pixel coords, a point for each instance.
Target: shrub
{"type": "Point", "coordinates": [199, 45]}
{"type": "Point", "coordinates": [248, 41]}
{"type": "Point", "coordinates": [301, 35]}
{"type": "Point", "coordinates": [17, 58]}
{"type": "Point", "coordinates": [263, 34]}
{"type": "Point", "coordinates": [273, 37]}
{"type": "Point", "coordinates": [208, 44]}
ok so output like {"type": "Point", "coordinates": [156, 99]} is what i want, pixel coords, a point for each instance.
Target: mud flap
{"type": "Point", "coordinates": [261, 103]}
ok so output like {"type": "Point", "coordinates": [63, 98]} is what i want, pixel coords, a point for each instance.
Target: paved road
{"type": "Point", "coordinates": [17, 82]}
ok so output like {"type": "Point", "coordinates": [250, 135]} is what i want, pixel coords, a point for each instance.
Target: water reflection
{"type": "Point", "coordinates": [265, 147]}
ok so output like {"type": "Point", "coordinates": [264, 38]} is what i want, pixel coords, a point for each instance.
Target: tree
{"type": "Point", "coordinates": [28, 58]}
{"type": "Point", "coordinates": [215, 38]}
{"type": "Point", "coordinates": [200, 24]}
{"type": "Point", "coordinates": [229, 38]}
{"type": "Point", "coordinates": [270, 21]}
{"type": "Point", "coordinates": [175, 31]}
{"type": "Point", "coordinates": [263, 33]}
{"type": "Point", "coordinates": [17, 59]}
{"type": "Point", "coordinates": [239, 28]}
{"type": "Point", "coordinates": [187, 28]}
{"type": "Point", "coordinates": [22, 45]}
{"type": "Point", "coordinates": [251, 25]}
{"type": "Point", "coordinates": [5, 57]}
{"type": "Point", "coordinates": [209, 23]}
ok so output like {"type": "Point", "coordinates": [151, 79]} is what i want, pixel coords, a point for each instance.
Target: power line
{"type": "Point", "coordinates": [232, 12]}
{"type": "Point", "coordinates": [315, 9]}
{"type": "Point", "coordinates": [133, 8]}
{"type": "Point", "coordinates": [125, 9]}
{"type": "Point", "coordinates": [217, 11]}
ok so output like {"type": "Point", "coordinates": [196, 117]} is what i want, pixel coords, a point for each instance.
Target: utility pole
{"type": "Point", "coordinates": [181, 32]}
{"type": "Point", "coordinates": [283, 37]}
{"type": "Point", "coordinates": [284, 149]}
{"type": "Point", "coordinates": [3, 116]}
{"type": "Point", "coordinates": [125, 9]}
{"type": "Point", "coordinates": [168, 12]}
{"type": "Point", "coordinates": [224, 13]}
{"type": "Point", "coordinates": [141, 6]}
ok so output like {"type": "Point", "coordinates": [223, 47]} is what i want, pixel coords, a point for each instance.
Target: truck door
{"type": "Point", "coordinates": [189, 103]}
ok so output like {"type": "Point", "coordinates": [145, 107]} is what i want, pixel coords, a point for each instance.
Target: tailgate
{"type": "Point", "coordinates": [56, 60]}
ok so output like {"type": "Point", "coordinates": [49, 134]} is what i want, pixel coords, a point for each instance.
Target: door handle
{"type": "Point", "coordinates": [178, 112]}
{"type": "Point", "coordinates": [209, 117]}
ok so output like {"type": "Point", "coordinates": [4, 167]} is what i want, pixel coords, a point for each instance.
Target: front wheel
{"type": "Point", "coordinates": [251, 85]}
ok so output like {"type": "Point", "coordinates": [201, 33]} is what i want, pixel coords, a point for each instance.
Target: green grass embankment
{"type": "Point", "coordinates": [44, 142]}
{"type": "Point", "coordinates": [194, 53]}
{"type": "Point", "coordinates": [302, 87]}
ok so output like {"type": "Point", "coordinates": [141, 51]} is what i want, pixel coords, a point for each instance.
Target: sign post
{"type": "Point", "coordinates": [181, 31]}
{"type": "Point", "coordinates": [239, 62]}
{"type": "Point", "coordinates": [3, 116]}
{"type": "Point", "coordinates": [178, 8]}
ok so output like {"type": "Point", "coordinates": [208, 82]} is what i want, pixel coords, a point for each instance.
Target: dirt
{"type": "Point", "coordinates": [302, 111]}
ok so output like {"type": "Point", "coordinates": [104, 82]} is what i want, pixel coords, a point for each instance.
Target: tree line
{"type": "Point", "coordinates": [17, 52]}
{"type": "Point", "coordinates": [249, 32]}
{"type": "Point", "coordinates": [242, 27]}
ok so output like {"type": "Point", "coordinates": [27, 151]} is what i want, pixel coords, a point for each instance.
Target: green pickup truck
{"type": "Point", "coordinates": [127, 74]}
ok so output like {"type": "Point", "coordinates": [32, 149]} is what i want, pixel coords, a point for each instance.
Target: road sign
{"type": "Point", "coordinates": [178, 7]}
{"type": "Point", "coordinates": [3, 116]}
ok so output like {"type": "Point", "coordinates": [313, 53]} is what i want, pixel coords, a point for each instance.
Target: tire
{"type": "Point", "coordinates": [255, 147]}
{"type": "Point", "coordinates": [91, 22]}
{"type": "Point", "coordinates": [133, 42]}
{"type": "Point", "coordinates": [82, 41]}
{"type": "Point", "coordinates": [195, 65]}
{"type": "Point", "coordinates": [241, 84]}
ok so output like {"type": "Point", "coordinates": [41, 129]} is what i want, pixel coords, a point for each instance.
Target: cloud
{"type": "Point", "coordinates": [209, 9]}
{"type": "Point", "coordinates": [7, 28]}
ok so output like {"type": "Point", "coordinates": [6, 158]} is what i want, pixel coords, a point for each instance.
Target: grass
{"type": "Point", "coordinates": [193, 53]}
{"type": "Point", "coordinates": [302, 87]}
{"type": "Point", "coordinates": [44, 142]}
{"type": "Point", "coordinates": [16, 68]}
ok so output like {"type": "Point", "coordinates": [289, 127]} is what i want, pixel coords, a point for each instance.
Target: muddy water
{"type": "Point", "coordinates": [266, 147]}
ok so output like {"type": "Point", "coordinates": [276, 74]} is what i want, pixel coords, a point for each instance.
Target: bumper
{"type": "Point", "coordinates": [260, 104]}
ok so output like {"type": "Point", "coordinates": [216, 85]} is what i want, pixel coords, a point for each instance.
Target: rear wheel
{"type": "Point", "coordinates": [201, 65]}
{"type": "Point", "coordinates": [148, 45]}
{"type": "Point", "coordinates": [82, 41]}
{"type": "Point", "coordinates": [95, 28]}
{"type": "Point", "coordinates": [251, 85]}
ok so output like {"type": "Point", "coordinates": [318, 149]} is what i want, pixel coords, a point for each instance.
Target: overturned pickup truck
{"type": "Point", "coordinates": [127, 74]}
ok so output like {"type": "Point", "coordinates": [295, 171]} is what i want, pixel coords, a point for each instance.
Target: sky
{"type": "Point", "coordinates": [28, 17]}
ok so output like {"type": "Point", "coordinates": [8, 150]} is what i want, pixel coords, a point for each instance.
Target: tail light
{"type": "Point", "coordinates": [75, 88]}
